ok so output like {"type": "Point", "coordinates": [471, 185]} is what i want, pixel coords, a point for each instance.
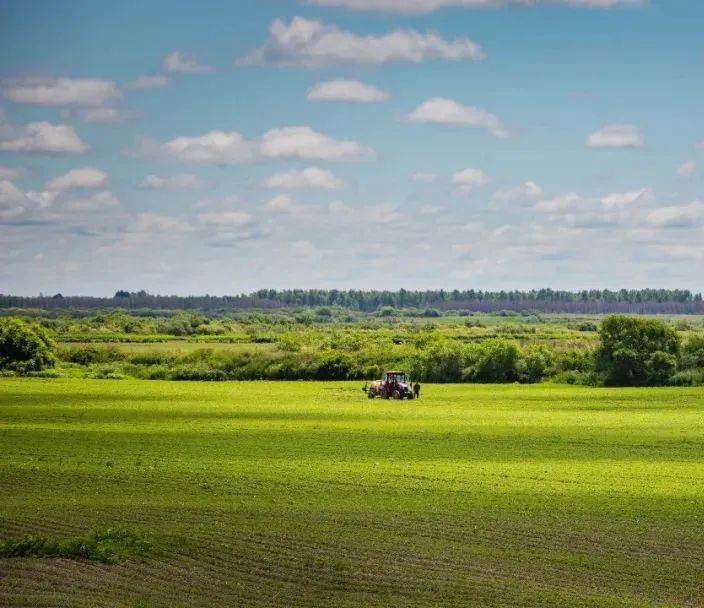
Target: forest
{"type": "Point", "coordinates": [595, 301]}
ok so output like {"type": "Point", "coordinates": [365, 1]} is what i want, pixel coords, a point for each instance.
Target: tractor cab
{"type": "Point", "coordinates": [394, 378]}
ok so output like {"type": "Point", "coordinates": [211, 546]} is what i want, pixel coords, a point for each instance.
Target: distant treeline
{"type": "Point", "coordinates": [635, 301]}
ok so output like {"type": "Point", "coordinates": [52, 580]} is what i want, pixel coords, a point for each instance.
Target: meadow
{"type": "Point", "coordinates": [309, 494]}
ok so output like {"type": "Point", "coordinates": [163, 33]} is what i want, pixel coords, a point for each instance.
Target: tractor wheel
{"type": "Point", "coordinates": [370, 394]}
{"type": "Point", "coordinates": [396, 395]}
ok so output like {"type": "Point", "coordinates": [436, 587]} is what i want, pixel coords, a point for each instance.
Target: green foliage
{"type": "Point", "coordinates": [102, 546]}
{"type": "Point", "coordinates": [24, 347]}
{"type": "Point", "coordinates": [693, 352]}
{"type": "Point", "coordinates": [536, 364]}
{"type": "Point", "coordinates": [636, 352]}
{"type": "Point", "coordinates": [493, 361]}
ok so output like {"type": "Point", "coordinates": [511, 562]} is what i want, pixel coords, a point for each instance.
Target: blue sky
{"type": "Point", "coordinates": [222, 146]}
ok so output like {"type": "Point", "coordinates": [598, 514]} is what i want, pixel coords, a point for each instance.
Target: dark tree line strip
{"type": "Point", "coordinates": [634, 301]}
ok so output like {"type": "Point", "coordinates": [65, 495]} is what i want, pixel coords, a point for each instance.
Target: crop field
{"type": "Point", "coordinates": [309, 494]}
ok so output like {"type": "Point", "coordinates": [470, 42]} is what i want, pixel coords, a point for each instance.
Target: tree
{"type": "Point", "coordinates": [636, 352]}
{"type": "Point", "coordinates": [23, 347]}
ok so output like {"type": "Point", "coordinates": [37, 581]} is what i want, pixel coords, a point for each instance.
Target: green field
{"type": "Point", "coordinates": [309, 494]}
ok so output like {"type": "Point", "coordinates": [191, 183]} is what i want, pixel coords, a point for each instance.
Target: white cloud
{"type": "Point", "coordinates": [309, 43]}
{"type": "Point", "coordinates": [12, 173]}
{"type": "Point", "coordinates": [9, 193]}
{"type": "Point", "coordinates": [469, 179]}
{"type": "Point", "coordinates": [282, 203]}
{"type": "Point", "coordinates": [383, 213]}
{"type": "Point", "coordinates": [525, 192]}
{"type": "Point", "coordinates": [85, 177]}
{"type": "Point", "coordinates": [39, 137]}
{"type": "Point", "coordinates": [147, 82]}
{"type": "Point", "coordinates": [424, 177]}
{"type": "Point", "coordinates": [310, 177]}
{"type": "Point", "coordinates": [305, 143]}
{"type": "Point", "coordinates": [180, 181]}
{"type": "Point", "coordinates": [609, 209]}
{"type": "Point", "coordinates": [625, 199]}
{"type": "Point", "coordinates": [61, 91]}
{"type": "Point", "coordinates": [231, 219]}
{"type": "Point", "coordinates": [441, 111]}
{"type": "Point", "coordinates": [185, 64]}
{"type": "Point", "coordinates": [346, 90]}
{"type": "Point", "coordinates": [429, 6]}
{"type": "Point", "coordinates": [94, 202]}
{"type": "Point", "coordinates": [687, 168]}
{"type": "Point", "coordinates": [677, 216]}
{"type": "Point", "coordinates": [616, 136]}
{"type": "Point", "coordinates": [231, 148]}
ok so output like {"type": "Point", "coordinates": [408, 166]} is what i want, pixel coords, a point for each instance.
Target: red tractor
{"type": "Point", "coordinates": [392, 385]}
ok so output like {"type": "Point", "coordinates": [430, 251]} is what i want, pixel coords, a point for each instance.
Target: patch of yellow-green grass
{"type": "Point", "coordinates": [310, 494]}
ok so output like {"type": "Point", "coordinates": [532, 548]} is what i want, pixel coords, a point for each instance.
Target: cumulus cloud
{"type": "Point", "coordinates": [147, 82]}
{"type": "Point", "coordinates": [309, 43]}
{"type": "Point", "coordinates": [346, 90]}
{"type": "Point", "coordinates": [441, 111]}
{"type": "Point", "coordinates": [677, 216]}
{"type": "Point", "coordinates": [525, 192]}
{"type": "Point", "coordinates": [601, 209]}
{"type": "Point", "coordinates": [183, 63]}
{"type": "Point", "coordinates": [687, 168]}
{"type": "Point", "coordinates": [9, 193]}
{"type": "Point", "coordinates": [231, 148]}
{"type": "Point", "coordinates": [227, 218]}
{"type": "Point", "coordinates": [469, 179]}
{"type": "Point", "coordinates": [424, 177]}
{"type": "Point", "coordinates": [12, 173]}
{"type": "Point", "coordinates": [310, 177]}
{"type": "Point", "coordinates": [85, 177]}
{"type": "Point", "coordinates": [94, 202]}
{"type": "Point", "coordinates": [180, 181]}
{"type": "Point", "coordinates": [282, 203]}
{"type": "Point", "coordinates": [616, 136]}
{"type": "Point", "coordinates": [305, 143]}
{"type": "Point", "coordinates": [61, 91]}
{"type": "Point", "coordinates": [627, 199]}
{"type": "Point", "coordinates": [39, 137]}
{"type": "Point", "coordinates": [429, 6]}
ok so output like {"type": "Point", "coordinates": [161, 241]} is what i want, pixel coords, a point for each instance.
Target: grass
{"type": "Point", "coordinates": [309, 494]}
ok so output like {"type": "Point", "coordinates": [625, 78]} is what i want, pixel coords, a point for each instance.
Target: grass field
{"type": "Point", "coordinates": [309, 494]}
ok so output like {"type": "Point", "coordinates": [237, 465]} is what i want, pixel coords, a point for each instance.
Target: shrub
{"type": "Point", "coordinates": [636, 352]}
{"type": "Point", "coordinates": [693, 352]}
{"type": "Point", "coordinates": [493, 361]}
{"type": "Point", "coordinates": [24, 347]}
{"type": "Point", "coordinates": [536, 363]}
{"type": "Point", "coordinates": [89, 354]}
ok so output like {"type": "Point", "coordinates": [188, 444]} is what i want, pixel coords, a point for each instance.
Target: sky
{"type": "Point", "coordinates": [225, 146]}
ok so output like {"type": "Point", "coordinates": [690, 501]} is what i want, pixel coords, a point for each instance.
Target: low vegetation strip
{"type": "Point", "coordinates": [324, 345]}
{"type": "Point", "coordinates": [310, 494]}
{"type": "Point", "coordinates": [102, 546]}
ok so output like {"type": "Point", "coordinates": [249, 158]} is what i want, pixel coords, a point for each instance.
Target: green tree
{"type": "Point", "coordinates": [636, 352]}
{"type": "Point", "coordinates": [23, 347]}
